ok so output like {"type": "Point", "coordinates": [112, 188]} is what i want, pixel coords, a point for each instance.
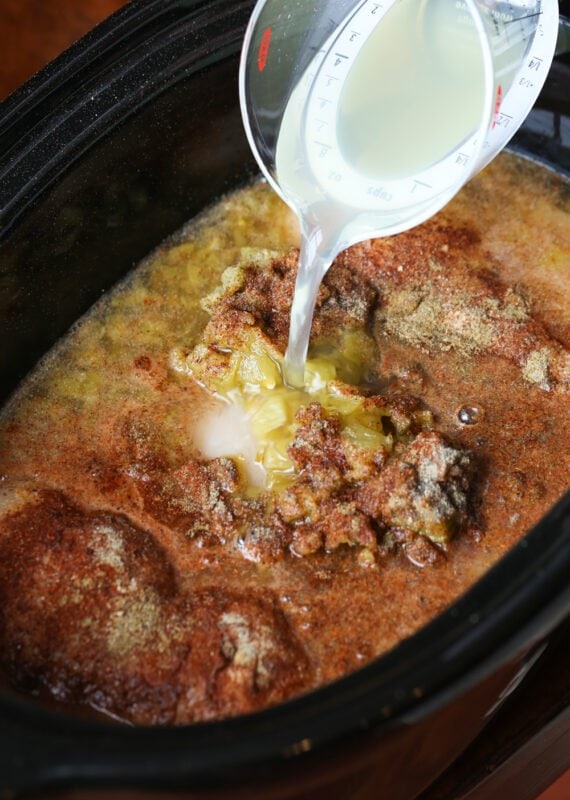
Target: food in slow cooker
{"type": "Point", "coordinates": [184, 538]}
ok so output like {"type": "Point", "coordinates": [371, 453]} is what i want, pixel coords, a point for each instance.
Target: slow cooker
{"type": "Point", "coordinates": [102, 155]}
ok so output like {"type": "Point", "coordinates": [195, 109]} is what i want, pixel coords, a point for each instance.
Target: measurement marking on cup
{"type": "Point", "coordinates": [520, 19]}
{"type": "Point", "coordinates": [419, 183]}
{"type": "Point", "coordinates": [380, 193]}
{"type": "Point", "coordinates": [332, 24]}
{"type": "Point", "coordinates": [498, 101]}
{"type": "Point", "coordinates": [324, 148]}
{"type": "Point", "coordinates": [503, 120]}
{"type": "Point", "coordinates": [535, 63]}
{"type": "Point", "coordinates": [263, 51]}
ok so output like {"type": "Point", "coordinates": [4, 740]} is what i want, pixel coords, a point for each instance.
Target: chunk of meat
{"type": "Point", "coordinates": [424, 490]}
{"type": "Point", "coordinates": [317, 448]}
{"type": "Point", "coordinates": [440, 292]}
{"type": "Point", "coordinates": [419, 550]}
{"type": "Point", "coordinates": [344, 301]}
{"type": "Point", "coordinates": [243, 656]}
{"type": "Point", "coordinates": [192, 497]}
{"type": "Point", "coordinates": [342, 523]}
{"type": "Point", "coordinates": [90, 608]}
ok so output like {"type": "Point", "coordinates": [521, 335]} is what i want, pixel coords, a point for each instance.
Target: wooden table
{"type": "Point", "coordinates": [33, 32]}
{"type": "Point", "coordinates": [527, 745]}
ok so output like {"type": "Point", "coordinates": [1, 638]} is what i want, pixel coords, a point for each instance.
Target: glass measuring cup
{"type": "Point", "coordinates": [367, 116]}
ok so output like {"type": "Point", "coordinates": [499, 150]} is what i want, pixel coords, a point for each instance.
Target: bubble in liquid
{"type": "Point", "coordinates": [470, 414]}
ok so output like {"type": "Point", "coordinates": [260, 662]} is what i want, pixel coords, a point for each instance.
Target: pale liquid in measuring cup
{"type": "Point", "coordinates": [414, 92]}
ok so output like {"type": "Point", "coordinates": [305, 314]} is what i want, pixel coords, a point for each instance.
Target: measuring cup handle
{"type": "Point", "coordinates": [563, 40]}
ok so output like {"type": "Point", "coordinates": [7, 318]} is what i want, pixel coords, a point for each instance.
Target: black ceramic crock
{"type": "Point", "coordinates": [103, 154]}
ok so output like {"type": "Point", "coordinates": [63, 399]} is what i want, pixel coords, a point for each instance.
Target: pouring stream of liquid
{"type": "Point", "coordinates": [315, 257]}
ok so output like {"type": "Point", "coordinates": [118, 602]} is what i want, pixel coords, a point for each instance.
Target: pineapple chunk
{"type": "Point", "coordinates": [342, 400]}
{"type": "Point", "coordinates": [351, 356]}
{"type": "Point", "coordinates": [275, 458]}
{"type": "Point", "coordinates": [318, 374]}
{"type": "Point", "coordinates": [258, 371]}
{"type": "Point", "coordinates": [270, 415]}
{"type": "Point", "coordinates": [364, 435]}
